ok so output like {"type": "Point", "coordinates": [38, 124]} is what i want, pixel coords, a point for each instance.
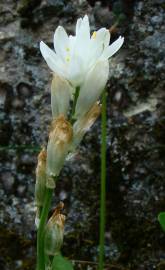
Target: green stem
{"type": "Point", "coordinates": [103, 183]}
{"type": "Point", "coordinates": [40, 233]}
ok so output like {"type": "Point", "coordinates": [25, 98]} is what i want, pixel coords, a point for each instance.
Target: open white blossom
{"type": "Point", "coordinates": [75, 56]}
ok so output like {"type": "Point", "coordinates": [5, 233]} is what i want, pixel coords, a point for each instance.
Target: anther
{"type": "Point", "coordinates": [94, 34]}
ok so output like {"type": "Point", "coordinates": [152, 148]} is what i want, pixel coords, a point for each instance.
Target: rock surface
{"type": "Point", "coordinates": [135, 148]}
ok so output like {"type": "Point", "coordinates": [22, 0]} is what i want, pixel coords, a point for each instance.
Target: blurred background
{"type": "Point", "coordinates": [135, 146]}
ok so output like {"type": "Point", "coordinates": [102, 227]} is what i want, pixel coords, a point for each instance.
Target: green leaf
{"type": "Point", "coordinates": [161, 218]}
{"type": "Point", "coordinates": [61, 263]}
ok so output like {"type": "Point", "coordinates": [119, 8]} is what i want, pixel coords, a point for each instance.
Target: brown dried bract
{"type": "Point", "coordinates": [58, 208]}
{"type": "Point", "coordinates": [61, 130]}
{"type": "Point", "coordinates": [42, 155]}
{"type": "Point", "coordinates": [41, 162]}
{"type": "Point", "coordinates": [89, 118]}
{"type": "Point", "coordinates": [57, 217]}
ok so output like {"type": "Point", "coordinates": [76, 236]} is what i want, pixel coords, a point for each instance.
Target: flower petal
{"type": "Point", "coordinates": [102, 36]}
{"type": "Point", "coordinates": [61, 42]}
{"type": "Point", "coordinates": [76, 70]}
{"type": "Point", "coordinates": [95, 54]}
{"type": "Point", "coordinates": [83, 38]}
{"type": "Point", "coordinates": [107, 37]}
{"type": "Point", "coordinates": [51, 58]}
{"type": "Point", "coordinates": [112, 49]}
{"type": "Point", "coordinates": [78, 25]}
{"type": "Point", "coordinates": [99, 41]}
{"type": "Point", "coordinates": [92, 88]}
{"type": "Point", "coordinates": [85, 25]}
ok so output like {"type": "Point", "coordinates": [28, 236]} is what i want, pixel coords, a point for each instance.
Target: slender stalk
{"type": "Point", "coordinates": [40, 233]}
{"type": "Point", "coordinates": [103, 183]}
{"type": "Point", "coordinates": [41, 258]}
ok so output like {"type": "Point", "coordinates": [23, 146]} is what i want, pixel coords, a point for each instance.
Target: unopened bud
{"type": "Point", "coordinates": [60, 138]}
{"type": "Point", "coordinates": [92, 88]}
{"type": "Point", "coordinates": [61, 92]}
{"type": "Point", "coordinates": [40, 185]}
{"type": "Point", "coordinates": [82, 125]}
{"type": "Point", "coordinates": [54, 232]}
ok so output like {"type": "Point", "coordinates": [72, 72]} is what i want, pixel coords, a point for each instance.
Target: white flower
{"type": "Point", "coordinates": [75, 56]}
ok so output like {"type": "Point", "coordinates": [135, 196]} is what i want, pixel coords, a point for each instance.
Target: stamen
{"type": "Point", "coordinates": [68, 59]}
{"type": "Point", "coordinates": [68, 49]}
{"type": "Point", "coordinates": [94, 34]}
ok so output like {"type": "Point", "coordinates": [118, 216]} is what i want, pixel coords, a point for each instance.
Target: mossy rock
{"type": "Point", "coordinates": [15, 247]}
{"type": "Point", "coordinates": [117, 267]}
{"type": "Point", "coordinates": [161, 265]}
{"type": "Point", "coordinates": [25, 7]}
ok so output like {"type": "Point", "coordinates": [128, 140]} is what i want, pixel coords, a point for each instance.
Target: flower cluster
{"type": "Point", "coordinates": [80, 72]}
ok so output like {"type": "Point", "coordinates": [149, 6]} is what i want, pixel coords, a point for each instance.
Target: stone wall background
{"type": "Point", "coordinates": [135, 151]}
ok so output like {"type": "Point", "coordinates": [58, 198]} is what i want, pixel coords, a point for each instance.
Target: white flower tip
{"type": "Point", "coordinates": [44, 50]}
{"type": "Point", "coordinates": [42, 46]}
{"type": "Point", "coordinates": [121, 40]}
{"type": "Point", "coordinates": [85, 17]}
{"type": "Point", "coordinates": [59, 29]}
{"type": "Point", "coordinates": [41, 42]}
{"type": "Point", "coordinates": [116, 45]}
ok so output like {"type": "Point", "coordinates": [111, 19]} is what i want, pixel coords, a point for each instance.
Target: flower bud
{"type": "Point", "coordinates": [60, 138]}
{"type": "Point", "coordinates": [83, 124]}
{"type": "Point", "coordinates": [54, 232]}
{"type": "Point", "coordinates": [40, 185]}
{"type": "Point", "coordinates": [61, 92]}
{"type": "Point", "coordinates": [92, 88]}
